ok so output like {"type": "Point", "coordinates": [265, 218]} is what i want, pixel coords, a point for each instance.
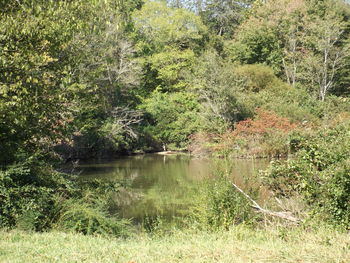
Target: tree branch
{"type": "Point", "coordinates": [283, 215]}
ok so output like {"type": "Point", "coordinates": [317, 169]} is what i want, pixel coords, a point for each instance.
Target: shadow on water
{"type": "Point", "coordinates": [161, 185]}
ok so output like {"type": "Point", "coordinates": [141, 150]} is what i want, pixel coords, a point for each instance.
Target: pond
{"type": "Point", "coordinates": [162, 185]}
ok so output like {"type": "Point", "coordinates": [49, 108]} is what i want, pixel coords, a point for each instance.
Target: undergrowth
{"type": "Point", "coordinates": [33, 196]}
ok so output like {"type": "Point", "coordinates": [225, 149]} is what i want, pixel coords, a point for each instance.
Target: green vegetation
{"type": "Point", "coordinates": [34, 197]}
{"type": "Point", "coordinates": [218, 205]}
{"type": "Point", "coordinates": [319, 173]}
{"type": "Point", "coordinates": [94, 78]}
{"type": "Point", "coordinates": [236, 245]}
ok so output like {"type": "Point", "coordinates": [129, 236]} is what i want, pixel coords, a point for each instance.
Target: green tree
{"type": "Point", "coordinates": [34, 80]}
{"type": "Point", "coordinates": [159, 25]}
{"type": "Point", "coordinates": [305, 42]}
{"type": "Point", "coordinates": [173, 117]}
{"type": "Point", "coordinates": [170, 66]}
{"type": "Point", "coordinates": [167, 41]}
{"type": "Point", "coordinates": [326, 40]}
{"type": "Point", "coordinates": [218, 89]}
{"type": "Point", "coordinates": [223, 16]}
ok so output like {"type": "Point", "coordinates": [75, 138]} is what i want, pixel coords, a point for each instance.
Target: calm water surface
{"type": "Point", "coordinates": [161, 185]}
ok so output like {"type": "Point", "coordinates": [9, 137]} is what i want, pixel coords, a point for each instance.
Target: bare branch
{"type": "Point", "coordinates": [283, 215]}
{"type": "Point", "coordinates": [126, 119]}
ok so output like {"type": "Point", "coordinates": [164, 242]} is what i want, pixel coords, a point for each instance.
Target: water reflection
{"type": "Point", "coordinates": [161, 185]}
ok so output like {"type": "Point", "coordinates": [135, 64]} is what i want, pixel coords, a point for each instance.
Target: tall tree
{"type": "Point", "coordinates": [57, 60]}
{"type": "Point", "coordinates": [168, 39]}
{"type": "Point", "coordinates": [223, 16]}
{"type": "Point", "coordinates": [327, 46]}
{"type": "Point", "coordinates": [305, 42]}
{"type": "Point", "coordinates": [35, 82]}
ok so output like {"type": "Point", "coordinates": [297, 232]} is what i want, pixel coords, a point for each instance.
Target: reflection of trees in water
{"type": "Point", "coordinates": [126, 197]}
{"type": "Point", "coordinates": [165, 185]}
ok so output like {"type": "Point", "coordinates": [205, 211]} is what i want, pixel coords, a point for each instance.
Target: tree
{"type": "Point", "coordinates": [106, 65]}
{"type": "Point", "coordinates": [159, 26]}
{"type": "Point", "coordinates": [34, 78]}
{"type": "Point", "coordinates": [305, 42]}
{"type": "Point", "coordinates": [171, 65]}
{"type": "Point", "coordinates": [108, 72]}
{"type": "Point", "coordinates": [218, 88]}
{"type": "Point", "coordinates": [59, 61]}
{"type": "Point", "coordinates": [173, 117]}
{"type": "Point", "coordinates": [327, 49]}
{"type": "Point", "coordinates": [223, 16]}
{"type": "Point", "coordinates": [167, 41]}
{"type": "Point", "coordinates": [196, 6]}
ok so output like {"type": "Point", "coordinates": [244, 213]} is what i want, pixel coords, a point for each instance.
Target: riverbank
{"type": "Point", "coordinates": [237, 245]}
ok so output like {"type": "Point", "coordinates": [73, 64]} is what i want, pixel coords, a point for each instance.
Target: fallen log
{"type": "Point", "coordinates": [284, 215]}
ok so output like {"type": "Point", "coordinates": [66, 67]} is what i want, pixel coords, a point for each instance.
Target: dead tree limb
{"type": "Point", "coordinates": [255, 205]}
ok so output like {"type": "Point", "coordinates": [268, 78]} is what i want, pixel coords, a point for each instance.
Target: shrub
{"type": "Point", "coordinates": [82, 217]}
{"type": "Point", "coordinates": [220, 205]}
{"type": "Point", "coordinates": [256, 77]}
{"type": "Point", "coordinates": [226, 206]}
{"type": "Point", "coordinates": [264, 122]}
{"type": "Point", "coordinates": [35, 197]}
{"type": "Point", "coordinates": [201, 144]}
{"type": "Point", "coordinates": [267, 135]}
{"type": "Point", "coordinates": [319, 173]}
{"type": "Point", "coordinates": [91, 210]}
{"type": "Point", "coordinates": [27, 196]}
{"type": "Point", "coordinates": [292, 103]}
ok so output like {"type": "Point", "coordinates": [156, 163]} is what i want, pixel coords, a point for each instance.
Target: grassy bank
{"type": "Point", "coordinates": [237, 245]}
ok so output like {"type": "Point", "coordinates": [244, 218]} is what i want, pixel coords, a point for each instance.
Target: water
{"type": "Point", "coordinates": [162, 185]}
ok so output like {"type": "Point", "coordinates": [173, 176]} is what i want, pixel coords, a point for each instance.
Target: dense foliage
{"type": "Point", "coordinates": [319, 173]}
{"type": "Point", "coordinates": [91, 78]}
{"type": "Point", "coordinates": [35, 197]}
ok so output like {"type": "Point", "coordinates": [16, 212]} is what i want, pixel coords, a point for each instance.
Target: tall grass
{"type": "Point", "coordinates": [219, 205]}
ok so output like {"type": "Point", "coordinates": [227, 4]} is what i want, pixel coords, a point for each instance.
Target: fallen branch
{"type": "Point", "coordinates": [284, 215]}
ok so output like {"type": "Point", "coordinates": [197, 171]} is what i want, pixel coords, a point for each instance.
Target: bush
{"type": "Point", "coordinates": [264, 122]}
{"type": "Point", "coordinates": [335, 194]}
{"type": "Point", "coordinates": [320, 173]}
{"type": "Point", "coordinates": [256, 77]}
{"type": "Point", "coordinates": [27, 196]}
{"type": "Point", "coordinates": [35, 197]}
{"type": "Point", "coordinates": [292, 103]}
{"type": "Point", "coordinates": [220, 205]}
{"type": "Point", "coordinates": [266, 135]}
{"type": "Point", "coordinates": [91, 210]}
{"type": "Point", "coordinates": [82, 217]}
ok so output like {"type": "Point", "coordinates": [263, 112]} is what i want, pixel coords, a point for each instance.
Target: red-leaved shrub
{"type": "Point", "coordinates": [265, 122]}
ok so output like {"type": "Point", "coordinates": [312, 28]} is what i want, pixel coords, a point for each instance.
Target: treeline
{"type": "Point", "coordinates": [120, 76]}
{"type": "Point", "coordinates": [90, 78]}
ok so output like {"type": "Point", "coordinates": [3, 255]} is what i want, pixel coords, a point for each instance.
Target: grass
{"type": "Point", "coordinates": [237, 245]}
